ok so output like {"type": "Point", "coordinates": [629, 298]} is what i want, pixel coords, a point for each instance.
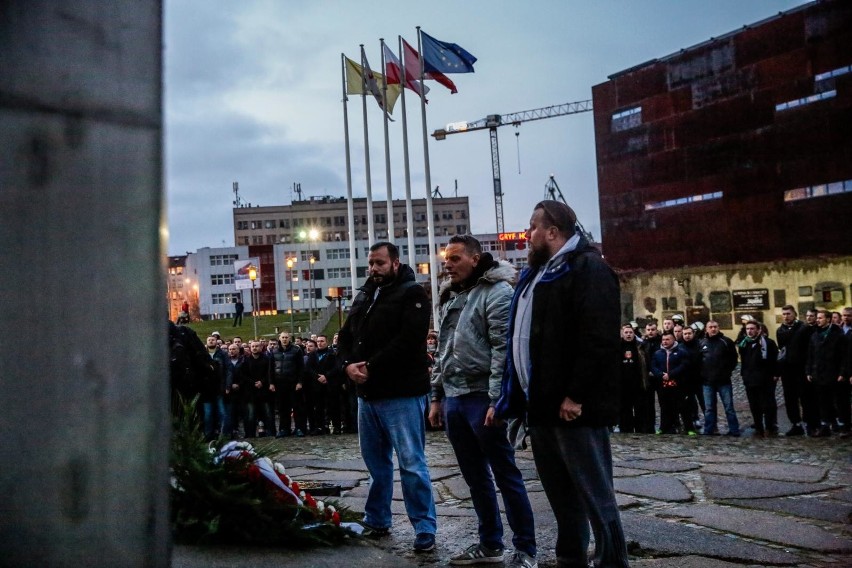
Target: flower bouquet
{"type": "Point", "coordinates": [230, 493]}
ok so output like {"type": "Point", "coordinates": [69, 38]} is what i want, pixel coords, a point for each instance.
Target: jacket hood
{"type": "Point", "coordinates": [500, 271]}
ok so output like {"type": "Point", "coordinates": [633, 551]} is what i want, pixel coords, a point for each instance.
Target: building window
{"type": "Point", "coordinates": [223, 259]}
{"type": "Point", "coordinates": [627, 119]}
{"type": "Point", "coordinates": [269, 224]}
{"type": "Point", "coordinates": [805, 100]}
{"type": "Point", "coordinates": [421, 249]}
{"type": "Point", "coordinates": [821, 190]}
{"type": "Point", "coordinates": [683, 201]}
{"type": "Point", "coordinates": [344, 272]}
{"type": "Point", "coordinates": [832, 74]}
{"type": "Point", "coordinates": [337, 254]}
{"type": "Point", "coordinates": [221, 279]}
{"type": "Point", "coordinates": [339, 221]}
{"type": "Point", "coordinates": [220, 299]}
{"type": "Point", "coordinates": [308, 254]}
{"type": "Point", "coordinates": [242, 225]}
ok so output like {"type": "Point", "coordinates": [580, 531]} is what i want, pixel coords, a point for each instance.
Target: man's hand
{"type": "Point", "coordinates": [489, 418]}
{"type": "Point", "coordinates": [258, 384]}
{"type": "Point", "coordinates": [810, 379]}
{"type": "Point", "coordinates": [436, 418]}
{"type": "Point", "coordinates": [358, 372]}
{"type": "Point", "coordinates": [840, 379]}
{"type": "Point", "coordinates": [298, 386]}
{"type": "Point", "coordinates": [322, 380]}
{"type": "Point", "coordinates": [235, 387]}
{"type": "Point", "coordinates": [570, 410]}
{"type": "Point", "coordinates": [271, 388]}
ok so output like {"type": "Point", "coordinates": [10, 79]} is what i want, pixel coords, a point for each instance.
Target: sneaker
{"type": "Point", "coordinates": [299, 433]}
{"type": "Point", "coordinates": [691, 433]}
{"type": "Point", "coordinates": [424, 542]}
{"type": "Point", "coordinates": [477, 554]}
{"type": "Point", "coordinates": [823, 432]}
{"type": "Point", "coordinates": [374, 532]}
{"type": "Point", "coordinates": [522, 560]}
{"type": "Point", "coordinates": [733, 434]}
{"type": "Point", "coordinates": [796, 430]}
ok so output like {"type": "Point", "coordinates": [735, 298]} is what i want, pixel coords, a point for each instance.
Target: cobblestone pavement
{"type": "Point", "coordinates": [706, 501]}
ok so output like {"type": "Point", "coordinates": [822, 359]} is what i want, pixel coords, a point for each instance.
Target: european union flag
{"type": "Point", "coordinates": [443, 57]}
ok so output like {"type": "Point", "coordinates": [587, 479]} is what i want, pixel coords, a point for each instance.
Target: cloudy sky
{"type": "Point", "coordinates": [253, 94]}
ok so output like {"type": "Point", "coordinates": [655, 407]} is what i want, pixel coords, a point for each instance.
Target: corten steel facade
{"type": "Point", "coordinates": [738, 149]}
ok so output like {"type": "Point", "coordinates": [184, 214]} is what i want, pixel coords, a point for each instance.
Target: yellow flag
{"type": "Point", "coordinates": [375, 81]}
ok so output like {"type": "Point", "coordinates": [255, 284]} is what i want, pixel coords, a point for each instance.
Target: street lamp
{"type": "Point", "coordinates": [311, 297]}
{"type": "Point", "coordinates": [253, 278]}
{"type": "Point", "coordinates": [290, 262]}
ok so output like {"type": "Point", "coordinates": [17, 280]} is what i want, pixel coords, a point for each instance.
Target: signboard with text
{"type": "Point", "coordinates": [756, 299]}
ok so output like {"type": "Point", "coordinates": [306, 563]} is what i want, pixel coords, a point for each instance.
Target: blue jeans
{"type": "Point", "coordinates": [385, 426]}
{"type": "Point", "coordinates": [726, 393]}
{"type": "Point", "coordinates": [215, 418]}
{"type": "Point", "coordinates": [482, 450]}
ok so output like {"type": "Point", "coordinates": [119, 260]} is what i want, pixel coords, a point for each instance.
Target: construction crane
{"type": "Point", "coordinates": [492, 121]}
{"type": "Point", "coordinates": [552, 191]}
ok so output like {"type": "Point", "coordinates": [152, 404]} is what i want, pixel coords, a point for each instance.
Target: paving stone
{"type": "Point", "coordinates": [810, 507]}
{"type": "Point", "coordinates": [351, 464]}
{"type": "Point", "coordinates": [457, 487]}
{"type": "Point", "coordinates": [764, 526]}
{"type": "Point", "coordinates": [334, 475]}
{"type": "Point", "coordinates": [660, 487]}
{"type": "Point", "coordinates": [685, 562]}
{"type": "Point", "coordinates": [618, 471]}
{"type": "Point", "coordinates": [673, 538]}
{"type": "Point", "coordinates": [356, 553]}
{"type": "Point", "coordinates": [397, 493]}
{"type": "Point", "coordinates": [299, 472]}
{"type": "Point", "coordinates": [709, 458]}
{"type": "Point", "coordinates": [770, 470]}
{"type": "Point", "coordinates": [843, 494]}
{"type": "Point", "coordinates": [728, 487]}
{"type": "Point", "coordinates": [659, 465]}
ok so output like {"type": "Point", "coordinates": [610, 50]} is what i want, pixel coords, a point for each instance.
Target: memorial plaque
{"type": "Point", "coordinates": [755, 299]}
{"type": "Point", "coordinates": [720, 302]}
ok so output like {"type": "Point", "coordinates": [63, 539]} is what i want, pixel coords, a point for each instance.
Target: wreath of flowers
{"type": "Point", "coordinates": [231, 493]}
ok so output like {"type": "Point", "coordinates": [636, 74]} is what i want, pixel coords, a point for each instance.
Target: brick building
{"type": "Point", "coordinates": [738, 149]}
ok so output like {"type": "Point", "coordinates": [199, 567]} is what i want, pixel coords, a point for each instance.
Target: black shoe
{"type": "Point", "coordinates": [299, 433]}
{"type": "Point", "coordinates": [283, 434]}
{"type": "Point", "coordinates": [796, 430]}
{"type": "Point", "coordinates": [424, 542]}
{"type": "Point", "coordinates": [733, 434]}
{"type": "Point", "coordinates": [823, 432]}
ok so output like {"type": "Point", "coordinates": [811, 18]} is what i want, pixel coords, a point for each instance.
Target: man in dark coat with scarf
{"type": "Point", "coordinates": [562, 372]}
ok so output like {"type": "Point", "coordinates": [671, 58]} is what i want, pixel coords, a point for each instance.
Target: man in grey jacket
{"type": "Point", "coordinates": [466, 381]}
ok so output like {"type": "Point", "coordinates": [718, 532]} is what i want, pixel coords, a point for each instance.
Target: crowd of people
{"type": "Point", "coordinates": [683, 370]}
{"type": "Point", "coordinates": [508, 360]}
{"type": "Point", "coordinates": [287, 386]}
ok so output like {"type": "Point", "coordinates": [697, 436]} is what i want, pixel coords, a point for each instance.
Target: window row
{"type": "Point", "coordinates": [820, 190]}
{"type": "Point", "coordinates": [223, 259]}
{"type": "Point", "coordinates": [683, 200]}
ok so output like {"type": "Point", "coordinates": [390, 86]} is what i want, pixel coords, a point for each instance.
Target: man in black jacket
{"type": "Point", "coordinates": [718, 361]}
{"type": "Point", "coordinates": [381, 349]}
{"type": "Point", "coordinates": [759, 356]}
{"type": "Point", "coordinates": [568, 297]}
{"type": "Point", "coordinates": [825, 371]}
{"type": "Point", "coordinates": [322, 379]}
{"type": "Point", "coordinates": [287, 366]}
{"type": "Point", "coordinates": [792, 369]}
{"type": "Point", "coordinates": [255, 373]}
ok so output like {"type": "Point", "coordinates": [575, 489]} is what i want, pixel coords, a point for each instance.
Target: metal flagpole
{"type": "Point", "coordinates": [391, 234]}
{"type": "Point", "coordinates": [430, 221]}
{"type": "Point", "coordinates": [370, 227]}
{"type": "Point", "coordinates": [409, 207]}
{"type": "Point", "coordinates": [350, 207]}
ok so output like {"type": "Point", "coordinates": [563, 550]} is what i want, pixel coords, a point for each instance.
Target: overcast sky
{"type": "Point", "coordinates": [253, 94]}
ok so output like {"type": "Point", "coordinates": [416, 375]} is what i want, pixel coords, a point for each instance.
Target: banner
{"type": "Point", "coordinates": [242, 269]}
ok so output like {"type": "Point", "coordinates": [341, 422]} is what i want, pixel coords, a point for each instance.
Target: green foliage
{"type": "Point", "coordinates": [230, 503]}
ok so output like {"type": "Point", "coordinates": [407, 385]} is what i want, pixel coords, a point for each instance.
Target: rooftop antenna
{"type": "Point", "coordinates": [457, 188]}
{"type": "Point", "coordinates": [237, 201]}
{"type": "Point", "coordinates": [297, 187]}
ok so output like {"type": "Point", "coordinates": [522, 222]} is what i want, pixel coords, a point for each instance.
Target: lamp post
{"type": "Point", "coordinates": [253, 278]}
{"type": "Point", "coordinates": [311, 297]}
{"type": "Point", "coordinates": [290, 262]}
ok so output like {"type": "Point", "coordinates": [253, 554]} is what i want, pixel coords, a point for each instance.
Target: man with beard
{"type": "Point", "coordinates": [466, 380]}
{"type": "Point", "coordinates": [634, 384]}
{"type": "Point", "coordinates": [381, 349]}
{"type": "Point", "coordinates": [562, 374]}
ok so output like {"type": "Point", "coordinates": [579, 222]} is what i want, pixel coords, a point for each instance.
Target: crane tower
{"type": "Point", "coordinates": [492, 122]}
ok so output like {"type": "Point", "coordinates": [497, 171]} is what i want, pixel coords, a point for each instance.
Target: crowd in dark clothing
{"type": "Point", "coordinates": [683, 369]}
{"type": "Point", "coordinates": [276, 388]}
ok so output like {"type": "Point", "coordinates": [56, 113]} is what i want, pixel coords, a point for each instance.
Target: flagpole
{"type": "Point", "coordinates": [391, 235]}
{"type": "Point", "coordinates": [409, 206]}
{"type": "Point", "coordinates": [350, 206]}
{"type": "Point", "coordinates": [430, 217]}
{"type": "Point", "coordinates": [370, 231]}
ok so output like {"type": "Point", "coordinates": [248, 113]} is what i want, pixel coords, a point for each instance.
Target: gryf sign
{"type": "Point", "coordinates": [520, 236]}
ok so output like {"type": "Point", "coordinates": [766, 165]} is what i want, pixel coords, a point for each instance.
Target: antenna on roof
{"type": "Point", "coordinates": [237, 201]}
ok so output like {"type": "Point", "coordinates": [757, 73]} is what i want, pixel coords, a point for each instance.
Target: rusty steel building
{"type": "Point", "coordinates": [738, 149]}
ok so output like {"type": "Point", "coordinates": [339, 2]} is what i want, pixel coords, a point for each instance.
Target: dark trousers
{"type": "Point", "coordinates": [350, 407]}
{"type": "Point", "coordinates": [482, 451]}
{"type": "Point", "coordinates": [238, 319]}
{"type": "Point", "coordinates": [289, 405]}
{"type": "Point", "coordinates": [575, 469]}
{"type": "Point", "coordinates": [673, 409]}
{"type": "Point", "coordinates": [317, 405]}
{"type": "Point", "coordinates": [833, 402]}
{"type": "Point", "coordinates": [634, 415]}
{"type": "Point", "coordinates": [647, 423]}
{"type": "Point", "coordinates": [764, 408]}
